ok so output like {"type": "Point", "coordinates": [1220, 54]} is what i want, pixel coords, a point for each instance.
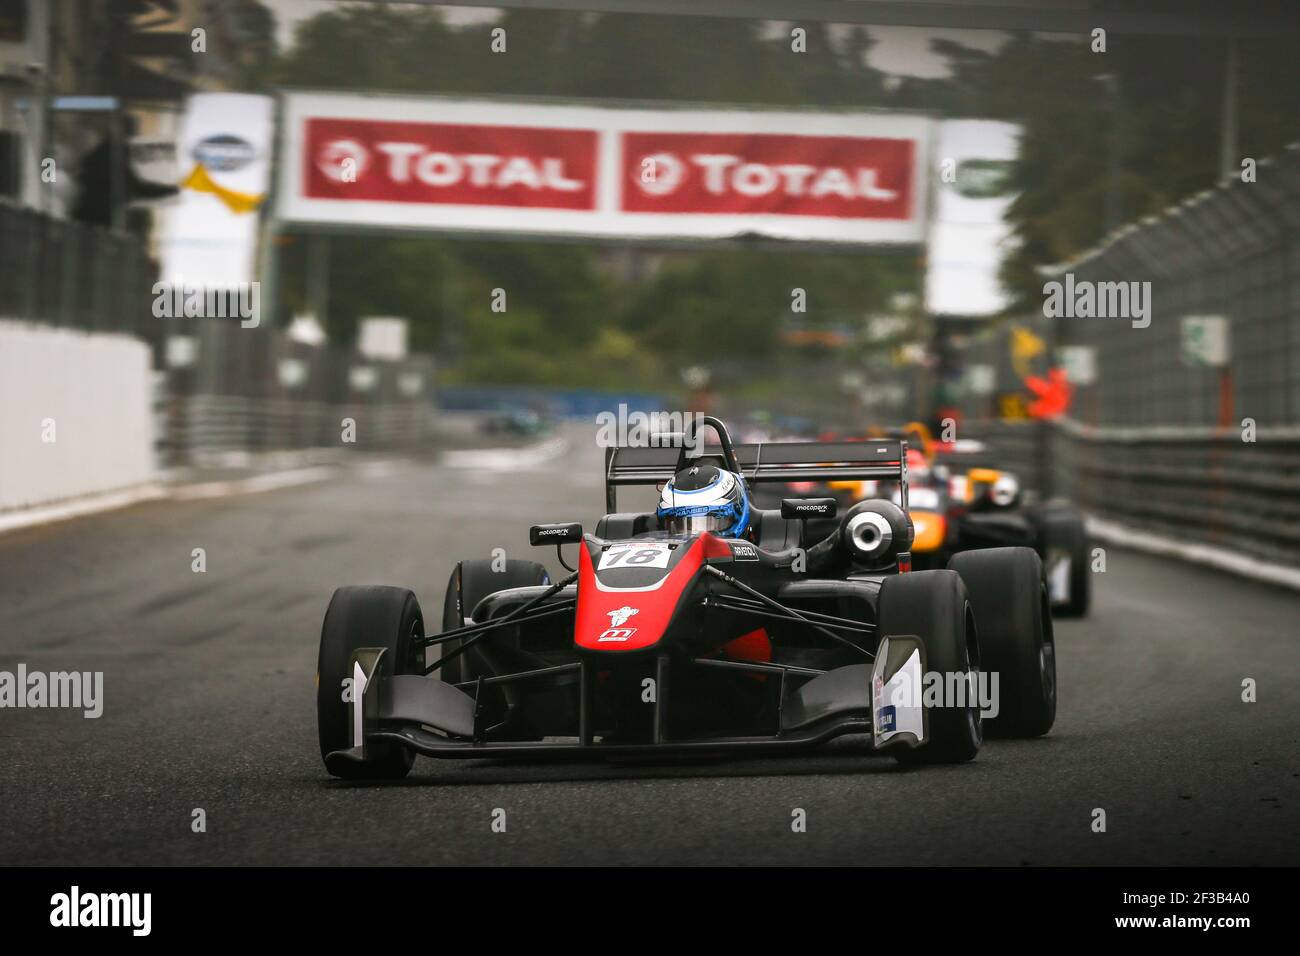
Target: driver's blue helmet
{"type": "Point", "coordinates": [704, 497]}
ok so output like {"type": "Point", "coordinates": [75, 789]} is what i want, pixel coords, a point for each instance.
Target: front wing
{"type": "Point", "coordinates": [428, 716]}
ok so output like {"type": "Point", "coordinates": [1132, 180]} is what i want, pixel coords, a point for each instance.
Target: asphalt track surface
{"type": "Point", "coordinates": [209, 703]}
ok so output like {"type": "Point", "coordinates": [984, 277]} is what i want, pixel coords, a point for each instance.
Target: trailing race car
{"type": "Point", "coordinates": [958, 503]}
{"type": "Point", "coordinates": [704, 627]}
{"type": "Point", "coordinates": [985, 510]}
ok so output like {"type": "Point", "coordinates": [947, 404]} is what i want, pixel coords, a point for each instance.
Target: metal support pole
{"type": "Point", "coordinates": [117, 163]}
{"type": "Point", "coordinates": [318, 276]}
{"type": "Point", "coordinates": [1229, 161]}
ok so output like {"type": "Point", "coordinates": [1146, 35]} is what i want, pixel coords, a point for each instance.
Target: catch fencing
{"type": "Point", "coordinates": [1158, 436]}
{"type": "Point", "coordinates": [234, 390]}
{"type": "Point", "coordinates": [69, 275]}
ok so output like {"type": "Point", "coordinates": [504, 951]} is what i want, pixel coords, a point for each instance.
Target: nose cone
{"type": "Point", "coordinates": [630, 592]}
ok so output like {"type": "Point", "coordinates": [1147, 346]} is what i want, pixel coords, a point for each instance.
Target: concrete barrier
{"type": "Point", "coordinates": [76, 414]}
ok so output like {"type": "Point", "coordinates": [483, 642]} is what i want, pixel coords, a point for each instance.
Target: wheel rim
{"type": "Point", "coordinates": [1047, 653]}
{"type": "Point", "coordinates": [974, 720]}
{"type": "Point", "coordinates": [416, 651]}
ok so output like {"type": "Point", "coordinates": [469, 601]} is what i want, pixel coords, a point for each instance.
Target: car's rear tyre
{"type": "Point", "coordinates": [471, 582]}
{"type": "Point", "coordinates": [365, 616]}
{"type": "Point", "coordinates": [1061, 531]}
{"type": "Point", "coordinates": [1014, 621]}
{"type": "Point", "coordinates": [933, 605]}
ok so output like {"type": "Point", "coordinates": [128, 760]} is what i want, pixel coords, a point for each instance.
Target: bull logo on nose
{"type": "Point", "coordinates": [618, 618]}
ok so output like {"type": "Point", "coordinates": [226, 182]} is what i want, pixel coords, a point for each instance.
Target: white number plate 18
{"type": "Point", "coordinates": [634, 556]}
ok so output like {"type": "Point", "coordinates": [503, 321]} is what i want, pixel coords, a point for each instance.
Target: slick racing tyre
{"type": "Point", "coordinates": [1062, 536]}
{"type": "Point", "coordinates": [1014, 623]}
{"type": "Point", "coordinates": [933, 606]}
{"type": "Point", "coordinates": [367, 616]}
{"type": "Point", "coordinates": [471, 582]}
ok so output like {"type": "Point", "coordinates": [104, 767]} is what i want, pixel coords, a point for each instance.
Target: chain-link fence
{"type": "Point", "coordinates": [1231, 253]}
{"type": "Point", "coordinates": [1197, 441]}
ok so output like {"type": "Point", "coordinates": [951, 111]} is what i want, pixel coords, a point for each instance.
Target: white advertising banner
{"type": "Point", "coordinates": [437, 164]}
{"type": "Point", "coordinates": [969, 236]}
{"type": "Point", "coordinates": [223, 153]}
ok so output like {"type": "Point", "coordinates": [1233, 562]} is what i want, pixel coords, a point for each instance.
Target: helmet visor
{"type": "Point", "coordinates": [687, 524]}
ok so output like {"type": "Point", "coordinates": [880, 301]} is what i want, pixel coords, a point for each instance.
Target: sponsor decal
{"type": "Point", "coordinates": [342, 160]}
{"type": "Point", "coordinates": [223, 153]}
{"type": "Point", "coordinates": [887, 718]}
{"type": "Point", "coordinates": [768, 173]}
{"type": "Point", "coordinates": [450, 163]}
{"type": "Point", "coordinates": [983, 178]}
{"type": "Point", "coordinates": [619, 616]}
{"type": "Point", "coordinates": [744, 552]}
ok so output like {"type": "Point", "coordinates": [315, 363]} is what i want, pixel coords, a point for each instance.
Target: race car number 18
{"type": "Point", "coordinates": [634, 556]}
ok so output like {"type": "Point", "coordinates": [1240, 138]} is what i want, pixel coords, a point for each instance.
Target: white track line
{"type": "Point", "coordinates": [90, 504]}
{"type": "Point", "coordinates": [1203, 554]}
{"type": "Point", "coordinates": [253, 485]}
{"type": "Point", "coordinates": [111, 501]}
{"type": "Point", "coordinates": [506, 459]}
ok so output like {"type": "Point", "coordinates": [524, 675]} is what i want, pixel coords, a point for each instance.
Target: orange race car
{"type": "Point", "coordinates": [958, 502]}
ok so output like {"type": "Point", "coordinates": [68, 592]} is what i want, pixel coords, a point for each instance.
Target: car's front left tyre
{"type": "Point", "coordinates": [933, 606]}
{"type": "Point", "coordinates": [365, 616]}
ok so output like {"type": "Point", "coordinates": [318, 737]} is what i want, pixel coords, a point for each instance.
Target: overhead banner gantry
{"type": "Point", "coordinates": [445, 165]}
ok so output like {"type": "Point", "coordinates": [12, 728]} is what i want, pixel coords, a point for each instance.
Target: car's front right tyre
{"type": "Point", "coordinates": [365, 616]}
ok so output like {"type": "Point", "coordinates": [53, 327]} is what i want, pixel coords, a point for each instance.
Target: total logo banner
{"type": "Point", "coordinates": [442, 164]}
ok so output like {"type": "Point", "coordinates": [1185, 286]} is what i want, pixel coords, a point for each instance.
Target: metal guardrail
{"type": "Point", "coordinates": [254, 389]}
{"type": "Point", "coordinates": [198, 427]}
{"type": "Point", "coordinates": [1196, 485]}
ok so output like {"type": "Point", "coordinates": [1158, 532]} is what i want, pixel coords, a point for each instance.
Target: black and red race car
{"type": "Point", "coordinates": [808, 626]}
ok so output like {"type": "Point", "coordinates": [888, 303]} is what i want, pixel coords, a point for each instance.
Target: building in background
{"type": "Point", "coordinates": [24, 79]}
{"type": "Point", "coordinates": [98, 87]}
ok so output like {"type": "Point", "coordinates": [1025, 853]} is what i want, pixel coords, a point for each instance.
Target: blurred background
{"type": "Point", "coordinates": [168, 141]}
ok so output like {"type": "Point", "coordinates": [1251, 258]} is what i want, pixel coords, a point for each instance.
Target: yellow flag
{"type": "Point", "coordinates": [1025, 345]}
{"type": "Point", "coordinates": [236, 202]}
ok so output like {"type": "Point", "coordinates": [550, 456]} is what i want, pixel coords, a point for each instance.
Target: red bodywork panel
{"type": "Point", "coordinates": [632, 620]}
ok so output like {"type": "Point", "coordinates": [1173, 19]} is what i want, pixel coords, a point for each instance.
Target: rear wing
{"type": "Point", "coordinates": [767, 462]}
